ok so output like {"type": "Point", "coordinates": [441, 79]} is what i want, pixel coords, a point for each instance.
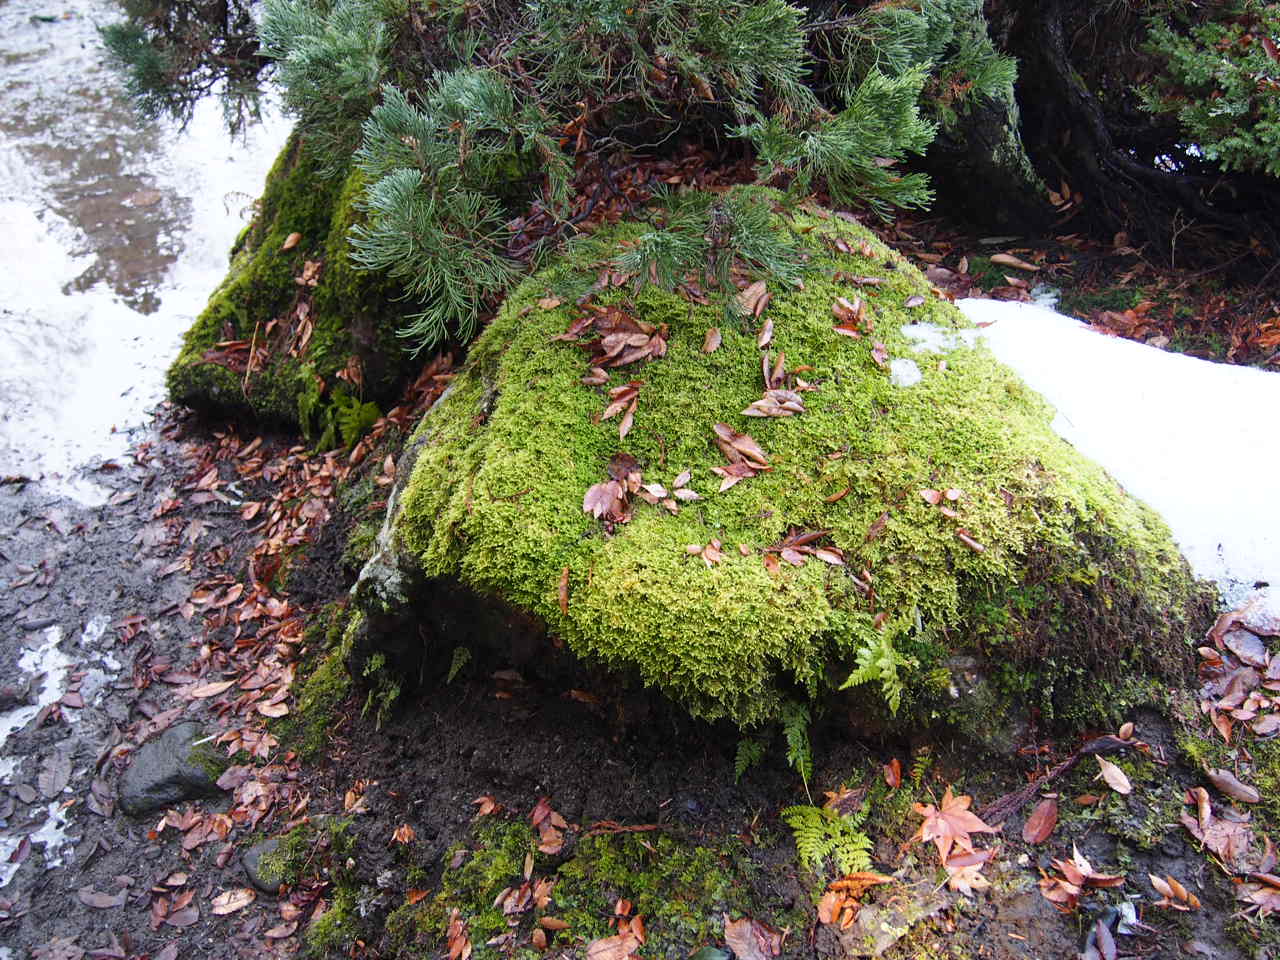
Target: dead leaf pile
{"type": "Point", "coordinates": [550, 826]}
{"type": "Point", "coordinates": [782, 389]}
{"type": "Point", "coordinates": [1228, 836]}
{"type": "Point", "coordinates": [746, 458]}
{"type": "Point", "coordinates": [843, 898]}
{"type": "Point", "coordinates": [610, 501]}
{"type": "Point", "coordinates": [618, 338]}
{"type": "Point", "coordinates": [1240, 677]}
{"type": "Point", "coordinates": [798, 546]}
{"type": "Point", "coordinates": [1074, 878]}
{"type": "Point", "coordinates": [851, 317]}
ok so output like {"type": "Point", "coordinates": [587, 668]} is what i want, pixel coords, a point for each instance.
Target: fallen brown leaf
{"type": "Point", "coordinates": [1114, 776]}
{"type": "Point", "coordinates": [1040, 824]}
{"type": "Point", "coordinates": [230, 901]}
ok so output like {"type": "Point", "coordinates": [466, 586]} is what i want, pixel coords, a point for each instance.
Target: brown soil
{"type": "Point", "coordinates": [599, 752]}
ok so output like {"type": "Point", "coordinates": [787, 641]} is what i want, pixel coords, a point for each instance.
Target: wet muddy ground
{"type": "Point", "coordinates": [103, 651]}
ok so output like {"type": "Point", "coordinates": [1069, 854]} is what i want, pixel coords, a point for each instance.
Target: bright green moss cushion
{"type": "Point", "coordinates": [1075, 580]}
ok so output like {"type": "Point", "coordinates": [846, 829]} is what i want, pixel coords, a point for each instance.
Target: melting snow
{"type": "Point", "coordinates": [1189, 437]}
{"type": "Point", "coordinates": [45, 659]}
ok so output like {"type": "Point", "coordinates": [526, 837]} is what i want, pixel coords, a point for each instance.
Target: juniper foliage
{"type": "Point", "coordinates": [466, 114]}
{"type": "Point", "coordinates": [1222, 82]}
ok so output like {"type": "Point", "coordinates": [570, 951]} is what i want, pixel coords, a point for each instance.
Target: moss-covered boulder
{"type": "Point", "coordinates": [294, 312]}
{"type": "Point", "coordinates": [969, 532]}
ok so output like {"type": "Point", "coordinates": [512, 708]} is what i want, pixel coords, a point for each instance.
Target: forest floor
{"type": "Point", "coordinates": [504, 813]}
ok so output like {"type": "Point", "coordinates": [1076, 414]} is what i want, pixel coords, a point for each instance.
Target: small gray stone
{"type": "Point", "coordinates": [166, 771]}
{"type": "Point", "coordinates": [260, 875]}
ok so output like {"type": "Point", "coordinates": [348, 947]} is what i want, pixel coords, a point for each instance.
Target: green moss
{"type": "Point", "coordinates": [352, 313]}
{"type": "Point", "coordinates": [316, 847]}
{"type": "Point", "coordinates": [1085, 303]}
{"type": "Point", "coordinates": [212, 761]}
{"type": "Point", "coordinates": [495, 500]}
{"type": "Point", "coordinates": [682, 887]}
{"type": "Point", "coordinates": [325, 685]}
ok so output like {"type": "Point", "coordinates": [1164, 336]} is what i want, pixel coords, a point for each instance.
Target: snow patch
{"type": "Point", "coordinates": [904, 373]}
{"type": "Point", "coordinates": [44, 659]}
{"type": "Point", "coordinates": [1187, 436]}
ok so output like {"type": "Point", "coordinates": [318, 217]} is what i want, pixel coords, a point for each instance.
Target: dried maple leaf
{"type": "Point", "coordinates": [949, 824]}
{"type": "Point", "coordinates": [751, 939]}
{"type": "Point", "coordinates": [403, 834]}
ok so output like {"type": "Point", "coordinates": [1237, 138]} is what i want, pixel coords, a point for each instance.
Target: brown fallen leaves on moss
{"type": "Point", "coordinates": [1074, 877]}
{"type": "Point", "coordinates": [550, 826]}
{"type": "Point", "coordinates": [798, 546]}
{"type": "Point", "coordinates": [746, 457]}
{"type": "Point", "coordinates": [620, 339]}
{"type": "Point", "coordinates": [782, 389]}
{"type": "Point", "coordinates": [610, 500]}
{"type": "Point", "coordinates": [851, 317]}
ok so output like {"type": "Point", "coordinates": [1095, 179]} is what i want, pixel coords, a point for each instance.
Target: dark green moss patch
{"type": "Point", "coordinates": [682, 887]}
{"type": "Point", "coordinates": [318, 328]}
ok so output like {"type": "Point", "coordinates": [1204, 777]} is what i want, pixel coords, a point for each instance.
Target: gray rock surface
{"type": "Point", "coordinates": [261, 876]}
{"type": "Point", "coordinates": [165, 771]}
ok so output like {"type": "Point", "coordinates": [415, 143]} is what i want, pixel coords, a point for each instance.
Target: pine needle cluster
{"type": "Point", "coordinates": [466, 114]}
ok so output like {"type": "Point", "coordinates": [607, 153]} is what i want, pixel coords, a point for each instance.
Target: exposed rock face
{"type": "Point", "coordinates": [966, 526]}
{"type": "Point", "coordinates": [295, 300]}
{"type": "Point", "coordinates": [256, 861]}
{"type": "Point", "coordinates": [165, 771]}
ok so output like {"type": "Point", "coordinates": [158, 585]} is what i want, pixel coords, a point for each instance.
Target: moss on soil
{"type": "Point", "coordinates": [681, 886]}
{"type": "Point", "coordinates": [324, 683]}
{"type": "Point", "coordinates": [352, 312]}
{"type": "Point", "coordinates": [1077, 582]}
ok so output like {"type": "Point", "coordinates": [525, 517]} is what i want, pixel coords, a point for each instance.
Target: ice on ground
{"type": "Point", "coordinates": [1191, 438]}
{"type": "Point", "coordinates": [44, 659]}
{"type": "Point", "coordinates": [51, 834]}
{"type": "Point", "coordinates": [904, 373]}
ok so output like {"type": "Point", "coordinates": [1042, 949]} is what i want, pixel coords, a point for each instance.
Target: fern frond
{"type": "Point", "coordinates": [750, 752]}
{"type": "Point", "coordinates": [821, 834]}
{"type": "Point", "coordinates": [795, 726]}
{"type": "Point", "coordinates": [461, 657]}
